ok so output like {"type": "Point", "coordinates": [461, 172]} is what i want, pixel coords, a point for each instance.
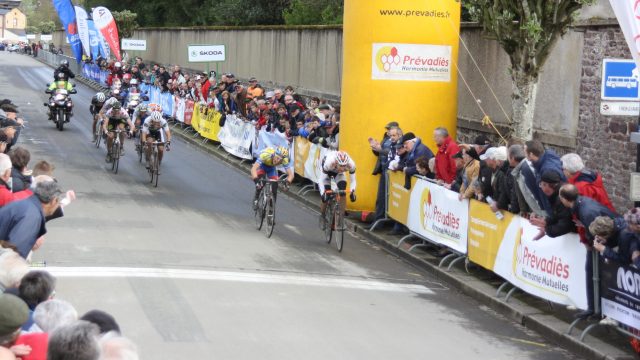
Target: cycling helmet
{"type": "Point", "coordinates": [100, 97]}
{"type": "Point", "coordinates": [117, 65]}
{"type": "Point", "coordinates": [282, 152]}
{"type": "Point", "coordinates": [143, 108]}
{"type": "Point", "coordinates": [342, 158]}
{"type": "Point", "coordinates": [116, 105]}
{"type": "Point", "coordinates": [126, 77]}
{"type": "Point", "coordinates": [134, 81]}
{"type": "Point", "coordinates": [64, 63]}
{"type": "Point", "coordinates": [156, 116]}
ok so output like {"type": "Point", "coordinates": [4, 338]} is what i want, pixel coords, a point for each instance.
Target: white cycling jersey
{"type": "Point", "coordinates": [147, 128]}
{"type": "Point", "coordinates": [330, 168]}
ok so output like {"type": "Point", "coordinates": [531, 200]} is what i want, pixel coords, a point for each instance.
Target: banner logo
{"type": "Point", "coordinates": [437, 219]}
{"type": "Point", "coordinates": [413, 62]}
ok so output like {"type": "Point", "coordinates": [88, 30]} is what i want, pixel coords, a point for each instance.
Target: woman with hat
{"type": "Point", "coordinates": [471, 170]}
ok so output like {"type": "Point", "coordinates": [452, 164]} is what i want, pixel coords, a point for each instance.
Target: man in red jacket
{"type": "Point", "coordinates": [588, 182]}
{"type": "Point", "coordinates": [6, 196]}
{"type": "Point", "coordinates": [445, 163]}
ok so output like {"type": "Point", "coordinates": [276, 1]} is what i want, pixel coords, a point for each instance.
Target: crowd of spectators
{"type": "Point", "coordinates": [34, 325]}
{"type": "Point", "coordinates": [558, 195]}
{"type": "Point", "coordinates": [279, 110]}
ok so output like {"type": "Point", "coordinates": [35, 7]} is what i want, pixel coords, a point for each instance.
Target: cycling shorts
{"type": "Point", "coordinates": [113, 123]}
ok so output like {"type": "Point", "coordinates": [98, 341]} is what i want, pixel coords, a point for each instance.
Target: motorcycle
{"type": "Point", "coordinates": [60, 106]}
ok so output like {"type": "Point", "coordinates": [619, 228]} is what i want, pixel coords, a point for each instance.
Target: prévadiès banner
{"type": "Point", "coordinates": [412, 62]}
{"type": "Point", "coordinates": [436, 214]}
{"type": "Point", "coordinates": [106, 24]}
{"type": "Point", "coordinates": [550, 268]}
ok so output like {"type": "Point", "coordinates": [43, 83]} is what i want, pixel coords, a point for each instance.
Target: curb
{"type": "Point", "coordinates": [546, 325]}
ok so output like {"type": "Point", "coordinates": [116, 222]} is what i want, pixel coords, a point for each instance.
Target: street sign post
{"type": "Point", "coordinates": [208, 54]}
{"type": "Point", "coordinates": [620, 80]}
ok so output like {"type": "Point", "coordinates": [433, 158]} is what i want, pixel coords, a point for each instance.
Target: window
{"type": "Point", "coordinates": [15, 22]}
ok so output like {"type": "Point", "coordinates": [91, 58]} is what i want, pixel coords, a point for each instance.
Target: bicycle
{"type": "Point", "coordinates": [115, 150]}
{"type": "Point", "coordinates": [99, 133]}
{"type": "Point", "coordinates": [266, 206]}
{"type": "Point", "coordinates": [139, 145]}
{"type": "Point", "coordinates": [333, 219]}
{"type": "Point", "coordinates": [154, 161]}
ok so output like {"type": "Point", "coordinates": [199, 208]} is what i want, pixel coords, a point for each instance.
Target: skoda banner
{"type": "Point", "coordinates": [133, 44]}
{"type": "Point", "coordinates": [206, 53]}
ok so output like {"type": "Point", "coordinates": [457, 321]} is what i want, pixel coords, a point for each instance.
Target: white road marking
{"type": "Point", "coordinates": [308, 280]}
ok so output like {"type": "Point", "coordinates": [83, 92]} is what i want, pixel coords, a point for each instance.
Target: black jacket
{"type": "Point", "coordinates": [560, 221]}
{"type": "Point", "coordinates": [587, 210]}
{"type": "Point", "coordinates": [627, 242]}
{"type": "Point", "coordinates": [514, 205]}
{"type": "Point", "coordinates": [499, 186]}
{"type": "Point", "coordinates": [20, 181]}
{"type": "Point", "coordinates": [484, 177]}
{"type": "Point", "coordinates": [65, 70]}
{"type": "Point", "coordinates": [382, 156]}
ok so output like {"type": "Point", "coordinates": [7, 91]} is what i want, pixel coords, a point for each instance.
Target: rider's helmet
{"type": "Point", "coordinates": [143, 108]}
{"type": "Point", "coordinates": [64, 63]}
{"type": "Point", "coordinates": [156, 116]}
{"type": "Point", "coordinates": [117, 65]}
{"type": "Point", "coordinates": [282, 151]}
{"type": "Point", "coordinates": [134, 81]}
{"type": "Point", "coordinates": [116, 105]}
{"type": "Point", "coordinates": [101, 97]}
{"type": "Point", "coordinates": [126, 77]}
{"type": "Point", "coordinates": [342, 158]}
{"type": "Point", "coordinates": [155, 107]}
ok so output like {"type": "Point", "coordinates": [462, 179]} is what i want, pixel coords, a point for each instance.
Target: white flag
{"type": "Point", "coordinates": [83, 29]}
{"type": "Point", "coordinates": [628, 14]}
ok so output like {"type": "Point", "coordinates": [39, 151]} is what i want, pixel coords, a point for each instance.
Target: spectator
{"type": "Point", "coordinates": [415, 149]}
{"type": "Point", "coordinates": [77, 341]}
{"type": "Point", "coordinates": [313, 104]}
{"type": "Point", "coordinates": [241, 100]}
{"type": "Point", "coordinates": [254, 90]}
{"type": "Point", "coordinates": [588, 182]}
{"type": "Point", "coordinates": [381, 150]}
{"type": "Point", "coordinates": [12, 269]}
{"type": "Point", "coordinates": [457, 182]}
{"type": "Point", "coordinates": [36, 287]}
{"type": "Point", "coordinates": [325, 110]}
{"type": "Point", "coordinates": [525, 180]}
{"type": "Point", "coordinates": [6, 195]}
{"type": "Point", "coordinates": [289, 91]}
{"type": "Point", "coordinates": [20, 175]}
{"type": "Point", "coordinates": [42, 168]}
{"type": "Point", "coordinates": [52, 314]}
{"type": "Point", "coordinates": [426, 167]}
{"type": "Point", "coordinates": [560, 221]}
{"type": "Point", "coordinates": [13, 313]}
{"type": "Point", "coordinates": [609, 236]}
{"type": "Point", "coordinates": [140, 64]}
{"type": "Point", "coordinates": [105, 322]}
{"type": "Point", "coordinates": [295, 114]}
{"type": "Point", "coordinates": [585, 210]}
{"type": "Point", "coordinates": [445, 163]}
{"type": "Point", "coordinates": [227, 105]}
{"type": "Point", "coordinates": [22, 223]}
{"type": "Point", "coordinates": [116, 347]}
{"type": "Point", "coordinates": [496, 160]}
{"type": "Point", "coordinates": [542, 161]}
{"type": "Point", "coordinates": [471, 172]}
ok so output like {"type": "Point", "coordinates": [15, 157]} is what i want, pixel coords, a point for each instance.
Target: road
{"type": "Point", "coordinates": [186, 274]}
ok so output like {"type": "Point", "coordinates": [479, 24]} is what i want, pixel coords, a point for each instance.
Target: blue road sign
{"type": "Point", "coordinates": [620, 80]}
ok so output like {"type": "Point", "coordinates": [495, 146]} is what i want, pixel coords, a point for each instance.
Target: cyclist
{"type": "Point", "coordinates": [334, 165]}
{"type": "Point", "coordinates": [266, 165]}
{"type": "Point", "coordinates": [97, 103]}
{"type": "Point", "coordinates": [152, 130]}
{"type": "Point", "coordinates": [140, 114]}
{"type": "Point", "coordinates": [116, 118]}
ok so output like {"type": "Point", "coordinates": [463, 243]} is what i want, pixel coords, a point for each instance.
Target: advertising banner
{"type": "Point", "coordinates": [628, 15]}
{"type": "Point", "coordinates": [302, 146]}
{"type": "Point", "coordinates": [550, 268]}
{"type": "Point", "coordinates": [46, 37]}
{"type": "Point", "coordinates": [83, 28]}
{"type": "Point", "coordinates": [398, 197]}
{"type": "Point", "coordinates": [67, 15]}
{"type": "Point", "coordinates": [94, 39]}
{"type": "Point", "coordinates": [414, 48]}
{"type": "Point", "coordinates": [106, 24]}
{"type": "Point", "coordinates": [236, 137]}
{"type": "Point", "coordinates": [188, 111]}
{"type": "Point", "coordinates": [620, 293]}
{"type": "Point", "coordinates": [436, 214]}
{"type": "Point", "coordinates": [206, 53]}
{"type": "Point", "coordinates": [134, 44]}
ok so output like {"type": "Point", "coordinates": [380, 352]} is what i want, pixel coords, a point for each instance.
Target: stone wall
{"type": "Point", "coordinates": [603, 141]}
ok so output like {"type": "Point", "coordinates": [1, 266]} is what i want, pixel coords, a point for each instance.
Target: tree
{"type": "Point", "coordinates": [314, 12]}
{"type": "Point", "coordinates": [527, 30]}
{"type": "Point", "coordinates": [32, 29]}
{"type": "Point", "coordinates": [47, 27]}
{"type": "Point", "coordinates": [126, 22]}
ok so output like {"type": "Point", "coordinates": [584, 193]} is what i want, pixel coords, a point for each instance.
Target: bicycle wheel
{"type": "Point", "coordinates": [156, 166]}
{"type": "Point", "coordinates": [329, 218]}
{"type": "Point", "coordinates": [152, 172]}
{"type": "Point", "coordinates": [139, 149]}
{"type": "Point", "coordinates": [98, 135]}
{"type": "Point", "coordinates": [339, 221]}
{"type": "Point", "coordinates": [259, 212]}
{"type": "Point", "coordinates": [270, 215]}
{"type": "Point", "coordinates": [115, 151]}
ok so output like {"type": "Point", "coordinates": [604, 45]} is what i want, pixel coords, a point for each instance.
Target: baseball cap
{"type": "Point", "coordinates": [487, 154]}
{"type": "Point", "coordinates": [550, 177]}
{"type": "Point", "coordinates": [482, 140]}
{"type": "Point", "coordinates": [13, 314]}
{"type": "Point", "coordinates": [252, 79]}
{"type": "Point", "coordinates": [406, 137]}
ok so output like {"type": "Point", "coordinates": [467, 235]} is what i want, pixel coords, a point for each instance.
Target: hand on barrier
{"type": "Point", "coordinates": [352, 196]}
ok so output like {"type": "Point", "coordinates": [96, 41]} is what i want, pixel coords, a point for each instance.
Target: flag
{"type": "Point", "coordinates": [83, 29]}
{"type": "Point", "coordinates": [106, 24]}
{"type": "Point", "coordinates": [628, 14]}
{"type": "Point", "coordinates": [94, 40]}
{"type": "Point", "coordinates": [68, 19]}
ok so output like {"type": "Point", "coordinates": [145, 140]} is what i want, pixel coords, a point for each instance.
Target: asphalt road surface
{"type": "Point", "coordinates": [186, 274]}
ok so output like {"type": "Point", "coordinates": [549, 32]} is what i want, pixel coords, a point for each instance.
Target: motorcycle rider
{"type": "Point", "coordinates": [63, 69]}
{"type": "Point", "coordinates": [115, 118]}
{"type": "Point", "coordinates": [55, 87]}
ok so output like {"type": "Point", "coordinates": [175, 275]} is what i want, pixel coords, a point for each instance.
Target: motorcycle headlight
{"type": "Point", "coordinates": [52, 104]}
{"type": "Point", "coordinates": [59, 97]}
{"type": "Point", "coordinates": [69, 104]}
